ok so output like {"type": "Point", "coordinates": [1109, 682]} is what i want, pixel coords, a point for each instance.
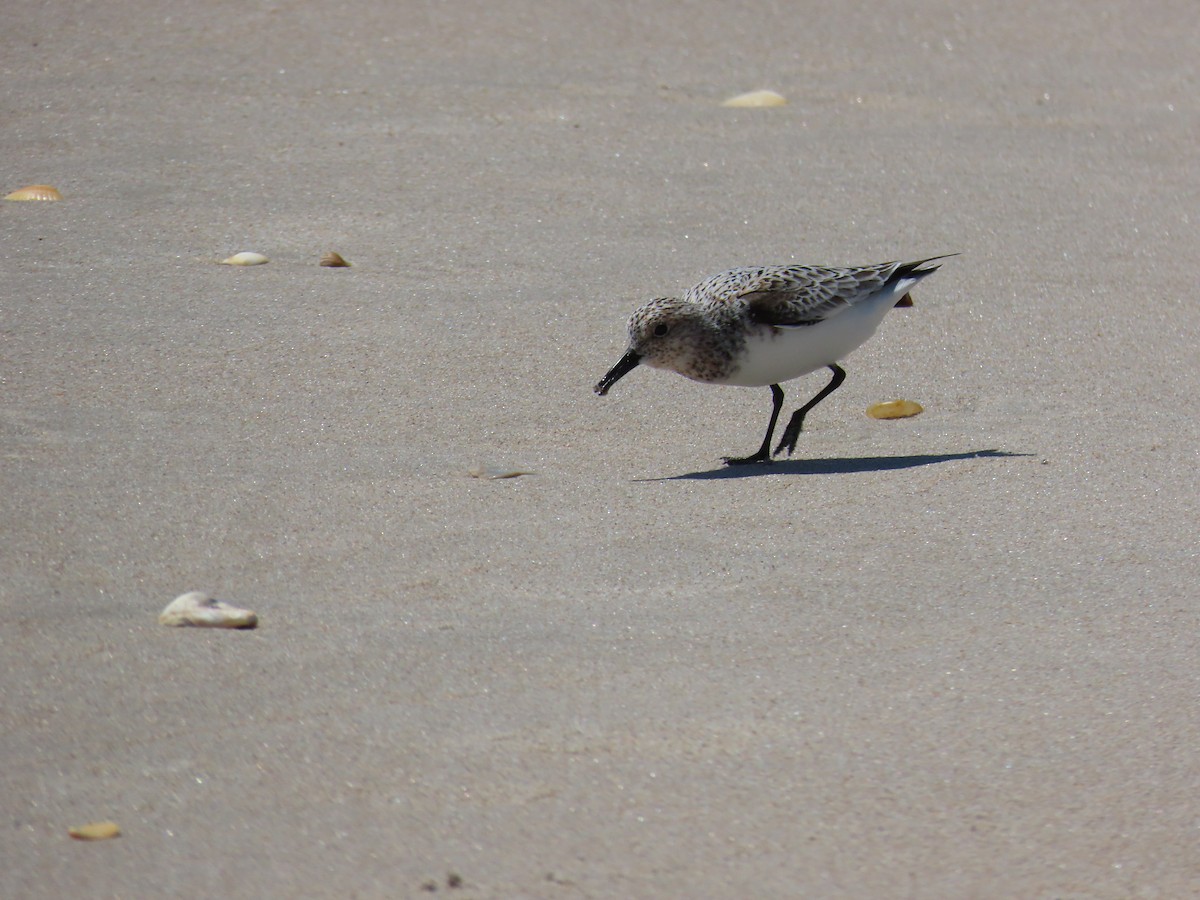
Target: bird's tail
{"type": "Point", "coordinates": [906, 275]}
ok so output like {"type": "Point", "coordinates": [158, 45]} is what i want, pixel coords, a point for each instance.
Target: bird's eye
{"type": "Point", "coordinates": [660, 330]}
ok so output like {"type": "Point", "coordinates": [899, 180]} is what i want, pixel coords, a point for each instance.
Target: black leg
{"type": "Point", "coordinates": [764, 452]}
{"type": "Point", "coordinates": [792, 433]}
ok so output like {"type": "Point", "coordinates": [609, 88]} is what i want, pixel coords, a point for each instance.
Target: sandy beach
{"type": "Point", "coordinates": [949, 656]}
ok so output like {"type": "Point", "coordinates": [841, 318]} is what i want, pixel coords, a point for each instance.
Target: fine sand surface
{"type": "Point", "coordinates": [951, 656]}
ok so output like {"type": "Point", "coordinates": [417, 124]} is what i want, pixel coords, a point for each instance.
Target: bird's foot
{"type": "Point", "coordinates": [760, 457]}
{"type": "Point", "coordinates": [788, 442]}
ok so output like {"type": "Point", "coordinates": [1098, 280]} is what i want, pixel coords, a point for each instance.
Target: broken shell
{"type": "Point", "coordinates": [199, 609]}
{"type": "Point", "coordinates": [894, 409]}
{"type": "Point", "coordinates": [334, 260]}
{"type": "Point", "coordinates": [245, 258]}
{"type": "Point", "coordinates": [495, 472]}
{"type": "Point", "coordinates": [756, 99]}
{"type": "Point", "coordinates": [35, 192]}
{"type": "Point", "coordinates": [95, 831]}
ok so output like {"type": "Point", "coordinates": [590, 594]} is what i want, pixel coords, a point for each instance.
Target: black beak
{"type": "Point", "coordinates": [624, 366]}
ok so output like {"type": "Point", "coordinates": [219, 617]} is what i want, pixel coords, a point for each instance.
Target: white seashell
{"type": "Point", "coordinates": [199, 609]}
{"type": "Point", "coordinates": [756, 99]}
{"type": "Point", "coordinates": [35, 192]}
{"type": "Point", "coordinates": [245, 258]}
{"type": "Point", "coordinates": [333, 260]}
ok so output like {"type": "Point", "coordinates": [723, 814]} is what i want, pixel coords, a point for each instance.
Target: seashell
{"type": "Point", "coordinates": [334, 260]}
{"type": "Point", "coordinates": [245, 258]}
{"type": "Point", "coordinates": [894, 409]}
{"type": "Point", "coordinates": [199, 609]}
{"type": "Point", "coordinates": [95, 831]}
{"type": "Point", "coordinates": [495, 472]}
{"type": "Point", "coordinates": [756, 99]}
{"type": "Point", "coordinates": [35, 192]}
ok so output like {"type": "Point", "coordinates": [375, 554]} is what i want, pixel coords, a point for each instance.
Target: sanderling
{"type": "Point", "coordinates": [759, 325]}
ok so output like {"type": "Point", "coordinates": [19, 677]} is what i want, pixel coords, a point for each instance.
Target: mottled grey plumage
{"type": "Point", "coordinates": [760, 325]}
{"type": "Point", "coordinates": [792, 295]}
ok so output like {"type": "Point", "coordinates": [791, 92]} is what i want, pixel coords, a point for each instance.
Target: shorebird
{"type": "Point", "coordinates": [757, 326]}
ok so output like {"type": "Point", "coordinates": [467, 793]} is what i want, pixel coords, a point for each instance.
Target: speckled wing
{"type": "Point", "coordinates": [804, 295]}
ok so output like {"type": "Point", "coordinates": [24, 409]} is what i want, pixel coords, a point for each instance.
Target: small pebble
{"type": "Point", "coordinates": [95, 831]}
{"type": "Point", "coordinates": [894, 409]}
{"type": "Point", "coordinates": [198, 609]}
{"type": "Point", "coordinates": [245, 258]}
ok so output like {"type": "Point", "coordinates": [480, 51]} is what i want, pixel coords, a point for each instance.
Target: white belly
{"type": "Point", "coordinates": [776, 354]}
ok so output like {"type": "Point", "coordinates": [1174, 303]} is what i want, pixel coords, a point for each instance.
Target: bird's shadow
{"type": "Point", "coordinates": [835, 466]}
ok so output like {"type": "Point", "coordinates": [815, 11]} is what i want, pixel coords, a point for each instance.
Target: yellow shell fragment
{"type": "Point", "coordinates": [95, 831]}
{"type": "Point", "coordinates": [894, 409]}
{"type": "Point", "coordinates": [333, 260]}
{"type": "Point", "coordinates": [35, 192]}
{"type": "Point", "coordinates": [245, 258]}
{"type": "Point", "coordinates": [757, 99]}
{"type": "Point", "coordinates": [199, 609]}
